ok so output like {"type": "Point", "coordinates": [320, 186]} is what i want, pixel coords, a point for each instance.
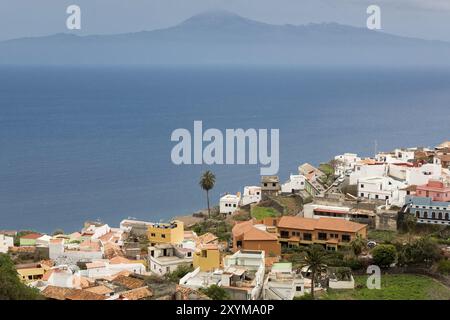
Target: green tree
{"type": "Point", "coordinates": [423, 250]}
{"type": "Point", "coordinates": [315, 259]}
{"type": "Point", "coordinates": [11, 288]}
{"type": "Point", "coordinates": [179, 272]}
{"type": "Point", "coordinates": [58, 231]}
{"type": "Point", "coordinates": [384, 255]}
{"type": "Point", "coordinates": [215, 292]}
{"type": "Point", "coordinates": [207, 181]}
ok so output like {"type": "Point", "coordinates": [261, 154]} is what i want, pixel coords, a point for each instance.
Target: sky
{"type": "Point", "coordinates": [427, 19]}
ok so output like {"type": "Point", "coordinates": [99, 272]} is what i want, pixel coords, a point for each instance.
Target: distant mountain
{"type": "Point", "coordinates": [227, 38]}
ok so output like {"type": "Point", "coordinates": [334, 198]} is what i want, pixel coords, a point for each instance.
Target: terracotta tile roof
{"type": "Point", "coordinates": [103, 290]}
{"type": "Point", "coordinates": [297, 223]}
{"type": "Point", "coordinates": [56, 241]}
{"type": "Point", "coordinates": [107, 237]}
{"type": "Point", "coordinates": [128, 282]}
{"type": "Point", "coordinates": [185, 293]}
{"type": "Point", "coordinates": [83, 294]}
{"type": "Point", "coordinates": [137, 294]}
{"type": "Point", "coordinates": [256, 234]}
{"type": "Point", "coordinates": [328, 224]}
{"type": "Point", "coordinates": [241, 227]}
{"type": "Point", "coordinates": [207, 238]}
{"type": "Point", "coordinates": [58, 293]}
{"type": "Point", "coordinates": [119, 260]}
{"type": "Point", "coordinates": [250, 232]}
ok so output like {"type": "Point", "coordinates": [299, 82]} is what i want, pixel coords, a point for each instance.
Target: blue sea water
{"type": "Point", "coordinates": [94, 143]}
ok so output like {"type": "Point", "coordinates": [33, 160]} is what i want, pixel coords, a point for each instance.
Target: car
{"type": "Point", "coordinates": [371, 244]}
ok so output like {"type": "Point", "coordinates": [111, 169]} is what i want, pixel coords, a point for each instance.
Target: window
{"type": "Point", "coordinates": [298, 288]}
{"type": "Point", "coordinates": [417, 214]}
{"type": "Point", "coordinates": [362, 186]}
{"type": "Point", "coordinates": [163, 236]}
{"type": "Point", "coordinates": [239, 243]}
{"type": "Point", "coordinates": [284, 234]}
{"type": "Point", "coordinates": [153, 235]}
{"type": "Point", "coordinates": [204, 254]}
{"type": "Point", "coordinates": [387, 197]}
{"type": "Point", "coordinates": [265, 184]}
{"type": "Point", "coordinates": [376, 196]}
{"type": "Point", "coordinates": [307, 236]}
{"type": "Point", "coordinates": [362, 194]}
{"type": "Point", "coordinates": [345, 238]}
{"type": "Point", "coordinates": [440, 215]}
{"type": "Point", "coordinates": [274, 184]}
{"type": "Point", "coordinates": [322, 236]}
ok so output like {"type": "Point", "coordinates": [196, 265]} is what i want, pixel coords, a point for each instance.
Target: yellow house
{"type": "Point", "coordinates": [171, 233]}
{"type": "Point", "coordinates": [31, 271]}
{"type": "Point", "coordinates": [207, 257]}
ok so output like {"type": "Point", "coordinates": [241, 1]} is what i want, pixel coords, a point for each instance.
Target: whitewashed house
{"type": "Point", "coordinates": [295, 183]}
{"type": "Point", "coordinates": [104, 268]}
{"type": "Point", "coordinates": [380, 188]}
{"type": "Point", "coordinates": [366, 170]}
{"type": "Point", "coordinates": [345, 162]}
{"type": "Point", "coordinates": [229, 203]}
{"type": "Point", "coordinates": [165, 258]}
{"type": "Point", "coordinates": [6, 242]}
{"type": "Point", "coordinates": [252, 194]}
{"type": "Point", "coordinates": [43, 241]}
{"type": "Point", "coordinates": [282, 283]}
{"type": "Point", "coordinates": [413, 175]}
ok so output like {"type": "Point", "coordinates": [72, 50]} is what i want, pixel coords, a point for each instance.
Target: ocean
{"type": "Point", "coordinates": [88, 143]}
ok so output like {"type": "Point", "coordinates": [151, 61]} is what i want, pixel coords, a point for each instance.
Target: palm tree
{"type": "Point", "coordinates": [207, 182]}
{"type": "Point", "coordinates": [315, 260]}
{"type": "Point", "coordinates": [358, 245]}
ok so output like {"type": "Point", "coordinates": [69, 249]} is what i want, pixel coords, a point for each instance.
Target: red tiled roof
{"type": "Point", "coordinates": [328, 224]}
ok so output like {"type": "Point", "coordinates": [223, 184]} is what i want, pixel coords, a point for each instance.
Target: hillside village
{"type": "Point", "coordinates": [391, 210]}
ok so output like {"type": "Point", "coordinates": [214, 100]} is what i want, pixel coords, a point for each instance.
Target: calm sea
{"type": "Point", "coordinates": [94, 143]}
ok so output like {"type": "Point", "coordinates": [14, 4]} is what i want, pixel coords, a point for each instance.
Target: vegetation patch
{"type": "Point", "coordinates": [393, 287]}
{"type": "Point", "coordinates": [260, 213]}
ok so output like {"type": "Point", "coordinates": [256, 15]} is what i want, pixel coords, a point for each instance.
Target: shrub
{"type": "Point", "coordinates": [11, 288]}
{"type": "Point", "coordinates": [215, 292]}
{"type": "Point", "coordinates": [444, 266]}
{"type": "Point", "coordinates": [384, 255]}
{"type": "Point", "coordinates": [354, 264]}
{"type": "Point", "coordinates": [179, 272]}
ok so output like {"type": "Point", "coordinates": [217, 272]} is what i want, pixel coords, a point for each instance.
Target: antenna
{"type": "Point", "coordinates": [375, 145]}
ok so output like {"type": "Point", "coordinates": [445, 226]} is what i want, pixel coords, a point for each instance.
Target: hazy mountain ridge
{"type": "Point", "coordinates": [223, 37]}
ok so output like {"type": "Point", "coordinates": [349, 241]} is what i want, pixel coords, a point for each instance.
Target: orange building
{"type": "Point", "coordinates": [330, 232]}
{"type": "Point", "coordinates": [250, 236]}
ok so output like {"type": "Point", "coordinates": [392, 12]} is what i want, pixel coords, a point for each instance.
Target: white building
{"type": "Point", "coordinates": [43, 241]}
{"type": "Point", "coordinates": [96, 231]}
{"type": "Point", "coordinates": [63, 276]}
{"type": "Point", "coordinates": [413, 175]}
{"type": "Point", "coordinates": [345, 162]}
{"type": "Point", "coordinates": [252, 194]}
{"type": "Point", "coordinates": [242, 276]}
{"type": "Point", "coordinates": [229, 203]}
{"type": "Point", "coordinates": [364, 169]}
{"type": "Point", "coordinates": [71, 254]}
{"type": "Point", "coordinates": [295, 183]}
{"type": "Point", "coordinates": [104, 268]}
{"type": "Point", "coordinates": [6, 242]}
{"type": "Point", "coordinates": [381, 188]}
{"type": "Point", "coordinates": [282, 283]}
{"type": "Point", "coordinates": [165, 258]}
{"type": "Point", "coordinates": [396, 156]}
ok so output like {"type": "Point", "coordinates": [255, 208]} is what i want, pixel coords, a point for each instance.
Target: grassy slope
{"type": "Point", "coordinates": [394, 287]}
{"type": "Point", "coordinates": [263, 212]}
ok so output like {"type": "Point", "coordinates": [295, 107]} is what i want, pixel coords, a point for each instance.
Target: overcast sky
{"type": "Point", "coordinates": [429, 19]}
